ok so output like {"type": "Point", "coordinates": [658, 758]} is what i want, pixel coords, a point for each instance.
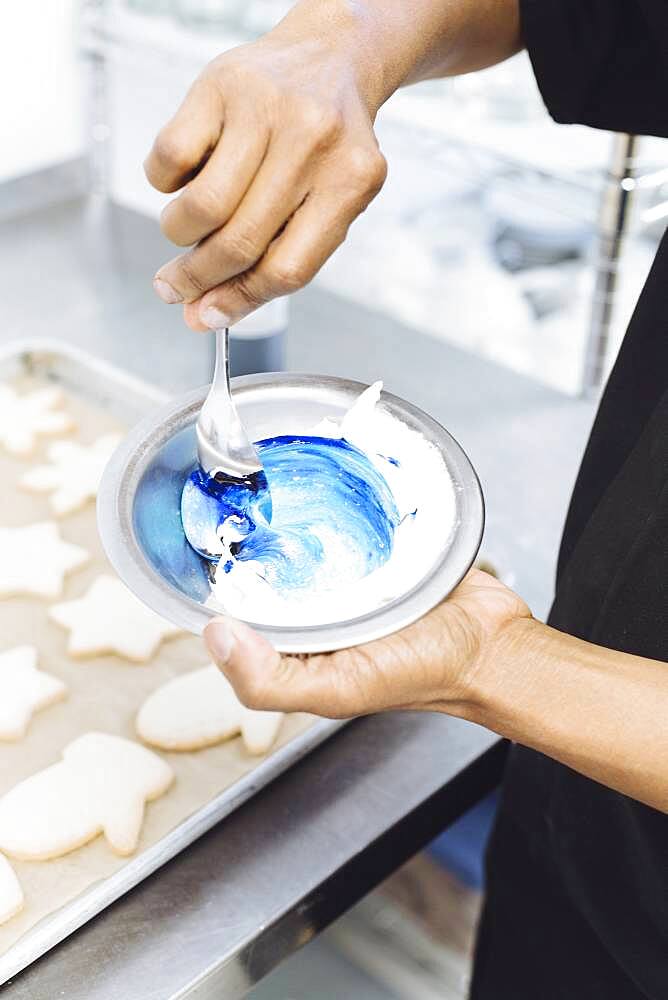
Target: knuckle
{"type": "Point", "coordinates": [321, 123]}
{"type": "Point", "coordinates": [245, 286]}
{"type": "Point", "coordinates": [170, 152]}
{"type": "Point", "coordinates": [366, 169]}
{"type": "Point", "coordinates": [201, 202]}
{"type": "Point", "coordinates": [289, 275]}
{"type": "Point", "coordinates": [241, 246]}
{"type": "Point", "coordinates": [189, 273]}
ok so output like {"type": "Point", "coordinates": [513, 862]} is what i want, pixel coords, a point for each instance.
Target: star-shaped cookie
{"type": "Point", "coordinates": [110, 619]}
{"type": "Point", "coordinates": [24, 417]}
{"type": "Point", "coordinates": [34, 560]}
{"type": "Point", "coordinates": [73, 474]}
{"type": "Point", "coordinates": [24, 690]}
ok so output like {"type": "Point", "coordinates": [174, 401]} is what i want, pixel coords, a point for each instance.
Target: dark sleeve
{"type": "Point", "coordinates": [602, 63]}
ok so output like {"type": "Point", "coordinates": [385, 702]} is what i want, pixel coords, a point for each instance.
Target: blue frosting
{"type": "Point", "coordinates": [318, 487]}
{"type": "Point", "coordinates": [207, 502]}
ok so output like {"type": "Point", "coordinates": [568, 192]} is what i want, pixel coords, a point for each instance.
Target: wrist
{"type": "Point", "coordinates": [344, 32]}
{"type": "Point", "coordinates": [513, 649]}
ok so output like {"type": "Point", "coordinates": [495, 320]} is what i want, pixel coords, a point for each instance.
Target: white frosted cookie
{"type": "Point", "coordinates": [73, 474]}
{"type": "Point", "coordinates": [24, 417]}
{"type": "Point", "coordinates": [110, 619]}
{"type": "Point", "coordinates": [34, 560]}
{"type": "Point", "coordinates": [11, 893]}
{"type": "Point", "coordinates": [24, 690]}
{"type": "Point", "coordinates": [100, 786]}
{"type": "Point", "coordinates": [199, 709]}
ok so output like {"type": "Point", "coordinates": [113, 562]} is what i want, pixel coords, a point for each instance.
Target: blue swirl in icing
{"type": "Point", "coordinates": [319, 487]}
{"type": "Point", "coordinates": [206, 503]}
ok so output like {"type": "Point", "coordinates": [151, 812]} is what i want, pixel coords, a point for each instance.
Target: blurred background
{"type": "Point", "coordinates": [490, 283]}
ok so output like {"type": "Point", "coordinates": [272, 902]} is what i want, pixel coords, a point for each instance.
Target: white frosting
{"type": "Point", "coordinates": [420, 482]}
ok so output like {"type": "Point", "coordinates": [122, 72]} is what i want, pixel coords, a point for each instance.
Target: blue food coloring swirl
{"type": "Point", "coordinates": [328, 502]}
{"type": "Point", "coordinates": [208, 502]}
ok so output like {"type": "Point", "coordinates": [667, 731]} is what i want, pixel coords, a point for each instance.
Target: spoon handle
{"type": "Point", "coordinates": [222, 443]}
{"type": "Point", "coordinates": [221, 371]}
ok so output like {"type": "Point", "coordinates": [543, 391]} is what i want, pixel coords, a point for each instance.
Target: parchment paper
{"type": "Point", "coordinates": [105, 693]}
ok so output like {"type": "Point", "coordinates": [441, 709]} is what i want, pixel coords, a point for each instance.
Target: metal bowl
{"type": "Point", "coordinates": [139, 507]}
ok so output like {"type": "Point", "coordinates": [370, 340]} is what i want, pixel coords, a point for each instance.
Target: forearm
{"type": "Point", "coordinates": [393, 42]}
{"type": "Point", "coordinates": [601, 712]}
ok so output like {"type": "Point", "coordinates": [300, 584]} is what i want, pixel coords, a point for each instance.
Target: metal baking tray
{"type": "Point", "coordinates": [129, 399]}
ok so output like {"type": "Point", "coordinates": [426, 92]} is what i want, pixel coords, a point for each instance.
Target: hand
{"type": "Point", "coordinates": [430, 665]}
{"type": "Point", "coordinates": [275, 151]}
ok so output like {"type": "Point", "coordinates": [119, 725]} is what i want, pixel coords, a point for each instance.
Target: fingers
{"type": "Point", "coordinates": [260, 134]}
{"type": "Point", "coordinates": [242, 266]}
{"type": "Point", "coordinates": [430, 665]}
{"type": "Point", "coordinates": [312, 235]}
{"type": "Point", "coordinates": [185, 142]}
{"type": "Point", "coordinates": [211, 198]}
{"type": "Point", "coordinates": [272, 198]}
{"type": "Point", "coordinates": [290, 263]}
{"type": "Point", "coordinates": [191, 317]}
{"type": "Point", "coordinates": [263, 679]}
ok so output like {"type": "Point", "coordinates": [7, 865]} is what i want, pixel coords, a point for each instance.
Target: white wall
{"type": "Point", "coordinates": [41, 89]}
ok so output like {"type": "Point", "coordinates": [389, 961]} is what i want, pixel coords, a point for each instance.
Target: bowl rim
{"type": "Point", "coordinates": [132, 457]}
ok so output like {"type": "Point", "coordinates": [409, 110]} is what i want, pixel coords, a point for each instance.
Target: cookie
{"type": "Point", "coordinates": [100, 786]}
{"type": "Point", "coordinates": [199, 709]}
{"type": "Point", "coordinates": [24, 690]}
{"type": "Point", "coordinates": [34, 560]}
{"type": "Point", "coordinates": [73, 474]}
{"type": "Point", "coordinates": [11, 893]}
{"type": "Point", "coordinates": [259, 729]}
{"type": "Point", "coordinates": [110, 619]}
{"type": "Point", "coordinates": [24, 417]}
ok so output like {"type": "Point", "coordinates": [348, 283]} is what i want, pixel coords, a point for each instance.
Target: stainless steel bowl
{"type": "Point", "coordinates": [139, 507]}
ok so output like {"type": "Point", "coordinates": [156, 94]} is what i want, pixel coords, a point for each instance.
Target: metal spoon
{"type": "Point", "coordinates": [230, 485]}
{"type": "Point", "coordinates": [223, 447]}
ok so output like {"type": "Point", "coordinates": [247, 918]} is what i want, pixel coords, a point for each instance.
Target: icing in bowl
{"type": "Point", "coordinates": [434, 515]}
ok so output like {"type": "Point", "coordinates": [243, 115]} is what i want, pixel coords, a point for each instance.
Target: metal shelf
{"type": "Point", "coordinates": [436, 128]}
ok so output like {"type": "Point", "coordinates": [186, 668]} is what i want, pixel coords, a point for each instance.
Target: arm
{"type": "Point", "coordinates": [395, 43]}
{"type": "Point", "coordinates": [481, 656]}
{"type": "Point", "coordinates": [596, 710]}
{"type": "Point", "coordinates": [274, 149]}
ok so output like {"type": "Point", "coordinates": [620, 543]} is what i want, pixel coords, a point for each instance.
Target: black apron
{"type": "Point", "coordinates": [577, 875]}
{"type": "Point", "coordinates": [577, 894]}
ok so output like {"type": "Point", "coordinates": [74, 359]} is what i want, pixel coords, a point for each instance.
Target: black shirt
{"type": "Point", "coordinates": [597, 860]}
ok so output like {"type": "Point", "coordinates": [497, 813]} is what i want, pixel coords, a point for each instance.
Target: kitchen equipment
{"type": "Point", "coordinates": [62, 895]}
{"type": "Point", "coordinates": [139, 521]}
{"type": "Point", "coordinates": [223, 447]}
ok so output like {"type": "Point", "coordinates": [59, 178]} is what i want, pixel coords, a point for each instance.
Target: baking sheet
{"type": "Point", "coordinates": [105, 692]}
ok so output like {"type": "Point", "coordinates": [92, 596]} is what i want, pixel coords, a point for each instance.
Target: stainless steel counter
{"type": "Point", "coordinates": [267, 879]}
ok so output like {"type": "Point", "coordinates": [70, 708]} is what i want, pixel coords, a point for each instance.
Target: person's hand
{"type": "Point", "coordinates": [430, 665]}
{"type": "Point", "coordinates": [275, 151]}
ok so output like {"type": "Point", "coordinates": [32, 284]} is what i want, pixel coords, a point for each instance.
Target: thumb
{"type": "Point", "coordinates": [266, 681]}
